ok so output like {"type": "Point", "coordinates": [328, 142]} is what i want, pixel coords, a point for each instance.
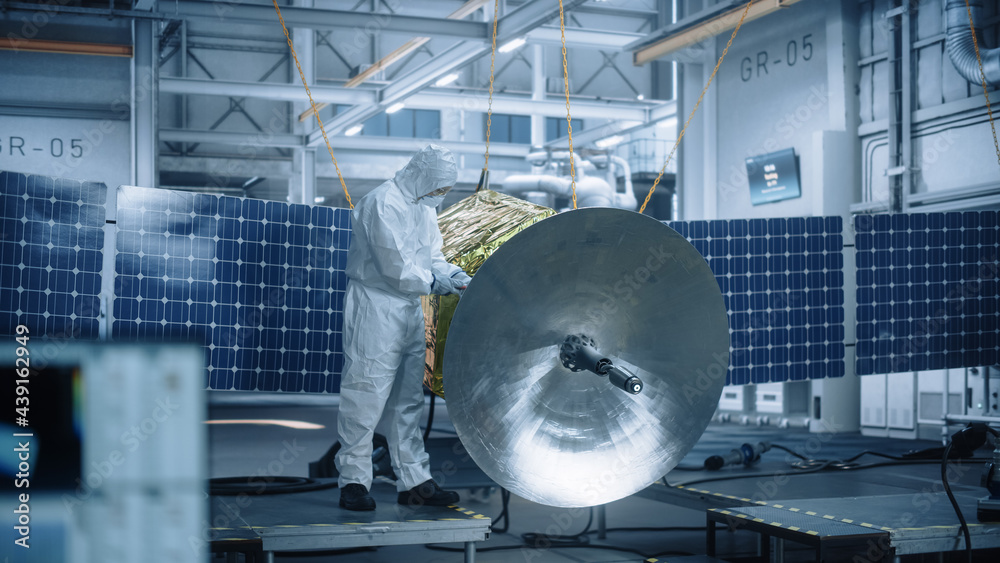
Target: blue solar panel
{"type": "Point", "coordinates": [51, 253]}
{"type": "Point", "coordinates": [927, 291]}
{"type": "Point", "coordinates": [261, 283]}
{"type": "Point", "coordinates": [782, 280]}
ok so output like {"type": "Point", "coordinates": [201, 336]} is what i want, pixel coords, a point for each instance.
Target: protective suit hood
{"type": "Point", "coordinates": [433, 167]}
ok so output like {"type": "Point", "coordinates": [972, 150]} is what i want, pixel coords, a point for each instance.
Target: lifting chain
{"type": "Point", "coordinates": [313, 104]}
{"type": "Point", "coordinates": [698, 103]}
{"type": "Point", "coordinates": [569, 119]}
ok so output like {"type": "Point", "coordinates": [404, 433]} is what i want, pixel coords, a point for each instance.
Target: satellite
{"type": "Point", "coordinates": [586, 357]}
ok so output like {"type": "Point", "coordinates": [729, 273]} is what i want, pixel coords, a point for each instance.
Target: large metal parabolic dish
{"type": "Point", "coordinates": [649, 302]}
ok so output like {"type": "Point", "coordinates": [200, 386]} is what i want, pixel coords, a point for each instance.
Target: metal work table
{"type": "Point", "coordinates": [819, 532]}
{"type": "Point", "coordinates": [880, 526]}
{"type": "Point", "coordinates": [884, 512]}
{"type": "Point", "coordinates": [313, 521]}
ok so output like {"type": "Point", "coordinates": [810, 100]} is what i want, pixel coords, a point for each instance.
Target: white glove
{"type": "Point", "coordinates": [442, 286]}
{"type": "Point", "coordinates": [461, 277]}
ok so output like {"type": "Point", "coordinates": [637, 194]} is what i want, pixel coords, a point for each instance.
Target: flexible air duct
{"type": "Point", "coordinates": [960, 47]}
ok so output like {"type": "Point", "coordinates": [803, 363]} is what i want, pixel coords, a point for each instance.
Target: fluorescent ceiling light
{"type": "Point", "coordinates": [512, 44]}
{"type": "Point", "coordinates": [319, 199]}
{"type": "Point", "coordinates": [640, 97]}
{"type": "Point", "coordinates": [296, 424]}
{"type": "Point", "coordinates": [609, 141]}
{"type": "Point", "coordinates": [395, 107]}
{"type": "Point", "coordinates": [354, 130]}
{"type": "Point", "coordinates": [447, 79]}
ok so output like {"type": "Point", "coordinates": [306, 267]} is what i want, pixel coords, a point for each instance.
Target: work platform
{"type": "Point", "coordinates": [879, 513]}
{"type": "Point", "coordinates": [236, 456]}
{"type": "Point", "coordinates": [261, 525]}
{"type": "Point", "coordinates": [882, 527]}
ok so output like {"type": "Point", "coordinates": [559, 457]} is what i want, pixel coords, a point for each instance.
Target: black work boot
{"type": "Point", "coordinates": [355, 497]}
{"type": "Point", "coordinates": [428, 493]}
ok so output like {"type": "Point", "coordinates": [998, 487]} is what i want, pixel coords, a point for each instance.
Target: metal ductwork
{"type": "Point", "coordinates": [960, 47]}
{"type": "Point", "coordinates": [591, 189]}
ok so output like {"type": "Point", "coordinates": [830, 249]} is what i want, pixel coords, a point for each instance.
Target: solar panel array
{"type": "Point", "coordinates": [782, 280]}
{"type": "Point", "coordinates": [927, 291]}
{"type": "Point", "coordinates": [51, 255]}
{"type": "Point", "coordinates": [260, 283]}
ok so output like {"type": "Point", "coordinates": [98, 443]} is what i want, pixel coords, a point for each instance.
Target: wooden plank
{"type": "Point", "coordinates": [712, 27]}
{"type": "Point", "coordinates": [398, 54]}
{"type": "Point", "coordinates": [64, 47]}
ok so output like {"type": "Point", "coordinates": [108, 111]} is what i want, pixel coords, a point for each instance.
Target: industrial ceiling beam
{"type": "Point", "coordinates": [584, 38]}
{"type": "Point", "coordinates": [57, 8]}
{"type": "Point", "coordinates": [322, 19]}
{"type": "Point", "coordinates": [545, 35]}
{"type": "Point", "coordinates": [273, 140]}
{"type": "Point", "coordinates": [463, 11]}
{"type": "Point", "coordinates": [524, 105]}
{"type": "Point", "coordinates": [436, 98]}
{"type": "Point", "coordinates": [397, 55]}
{"type": "Point", "coordinates": [359, 143]}
{"type": "Point", "coordinates": [515, 24]}
{"type": "Point", "coordinates": [265, 90]}
{"type": "Point", "coordinates": [619, 127]}
{"type": "Point", "coordinates": [411, 145]}
{"type": "Point", "coordinates": [700, 26]}
{"type": "Point", "coordinates": [618, 10]}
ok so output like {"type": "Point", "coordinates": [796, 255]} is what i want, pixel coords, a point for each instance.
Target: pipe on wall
{"type": "Point", "coordinates": [591, 191]}
{"type": "Point", "coordinates": [962, 52]}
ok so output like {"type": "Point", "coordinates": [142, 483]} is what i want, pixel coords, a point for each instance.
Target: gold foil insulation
{"type": "Point", "coordinates": [472, 230]}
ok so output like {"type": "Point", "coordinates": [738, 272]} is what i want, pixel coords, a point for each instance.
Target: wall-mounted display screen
{"type": "Point", "coordinates": [773, 176]}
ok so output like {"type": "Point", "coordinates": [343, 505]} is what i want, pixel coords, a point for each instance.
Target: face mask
{"type": "Point", "coordinates": [431, 201]}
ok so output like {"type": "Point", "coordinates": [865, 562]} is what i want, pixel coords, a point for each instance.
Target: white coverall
{"type": "Point", "coordinates": [394, 258]}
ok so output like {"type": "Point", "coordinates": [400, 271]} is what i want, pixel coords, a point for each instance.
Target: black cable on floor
{"type": "Point", "coordinates": [789, 450]}
{"type": "Point", "coordinates": [808, 463]}
{"type": "Point", "coordinates": [430, 417]}
{"type": "Point", "coordinates": [504, 513]}
{"type": "Point", "coordinates": [817, 469]}
{"type": "Point", "coordinates": [538, 540]}
{"type": "Point", "coordinates": [671, 553]}
{"type": "Point", "coordinates": [689, 468]}
{"type": "Point", "coordinates": [270, 485]}
{"type": "Point", "coordinates": [533, 539]}
{"type": "Point", "coordinates": [954, 503]}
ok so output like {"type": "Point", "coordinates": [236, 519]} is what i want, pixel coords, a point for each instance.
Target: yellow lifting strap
{"type": "Point", "coordinates": [484, 177]}
{"type": "Point", "coordinates": [698, 103]}
{"type": "Point", "coordinates": [569, 119]}
{"type": "Point", "coordinates": [982, 75]}
{"type": "Point", "coordinates": [313, 104]}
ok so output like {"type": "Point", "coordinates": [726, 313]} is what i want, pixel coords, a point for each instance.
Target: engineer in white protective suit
{"type": "Point", "coordinates": [395, 257]}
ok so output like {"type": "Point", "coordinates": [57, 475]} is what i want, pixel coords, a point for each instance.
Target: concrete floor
{"type": "Point", "coordinates": [239, 449]}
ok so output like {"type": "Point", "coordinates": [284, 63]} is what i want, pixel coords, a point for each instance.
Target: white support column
{"type": "Point", "coordinates": [302, 184]}
{"type": "Point", "coordinates": [710, 120]}
{"type": "Point", "coordinates": [144, 95]}
{"type": "Point", "coordinates": [307, 163]}
{"type": "Point", "coordinates": [537, 93]}
{"type": "Point", "coordinates": [305, 47]}
{"type": "Point", "coordinates": [691, 168]}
